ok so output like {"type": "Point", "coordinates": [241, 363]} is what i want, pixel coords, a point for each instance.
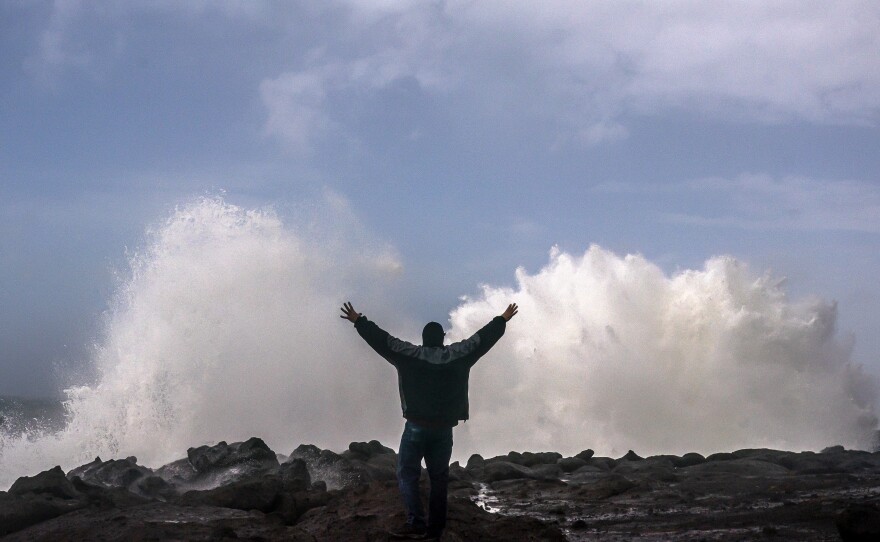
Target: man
{"type": "Point", "coordinates": [433, 384]}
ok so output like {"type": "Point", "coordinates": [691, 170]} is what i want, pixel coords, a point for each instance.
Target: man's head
{"type": "Point", "coordinates": [433, 334]}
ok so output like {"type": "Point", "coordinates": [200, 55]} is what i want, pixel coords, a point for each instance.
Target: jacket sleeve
{"type": "Point", "coordinates": [380, 340]}
{"type": "Point", "coordinates": [489, 335]}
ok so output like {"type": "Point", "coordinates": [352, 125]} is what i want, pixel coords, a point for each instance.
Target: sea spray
{"type": "Point", "coordinates": [610, 353]}
{"type": "Point", "coordinates": [227, 327]}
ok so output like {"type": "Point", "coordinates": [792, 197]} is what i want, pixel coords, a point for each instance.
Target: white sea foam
{"type": "Point", "coordinates": [611, 353]}
{"type": "Point", "coordinates": [227, 328]}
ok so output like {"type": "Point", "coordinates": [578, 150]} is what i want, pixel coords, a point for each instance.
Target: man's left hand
{"type": "Point", "coordinates": [349, 313]}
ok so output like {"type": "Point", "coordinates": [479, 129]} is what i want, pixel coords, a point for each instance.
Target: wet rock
{"type": "Point", "coordinates": [656, 468]}
{"type": "Point", "coordinates": [378, 467]}
{"type": "Point", "coordinates": [121, 473]}
{"type": "Point", "coordinates": [161, 521]}
{"type": "Point", "coordinates": [369, 515]}
{"type": "Point", "coordinates": [294, 474]}
{"type": "Point", "coordinates": [102, 496]}
{"type": "Point", "coordinates": [253, 494]}
{"type": "Point", "coordinates": [859, 523]}
{"type": "Point", "coordinates": [153, 486]}
{"type": "Point", "coordinates": [744, 467]}
{"type": "Point", "coordinates": [225, 463]}
{"type": "Point", "coordinates": [585, 474]}
{"type": "Point", "coordinates": [177, 473]}
{"type": "Point", "coordinates": [331, 468]}
{"type": "Point", "coordinates": [504, 470]}
{"type": "Point", "coordinates": [51, 483]}
{"type": "Point", "coordinates": [363, 451]}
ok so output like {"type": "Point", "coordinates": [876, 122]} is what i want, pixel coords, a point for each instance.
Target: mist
{"type": "Point", "coordinates": [226, 326]}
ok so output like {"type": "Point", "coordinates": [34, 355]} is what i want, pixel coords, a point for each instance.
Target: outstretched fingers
{"type": "Point", "coordinates": [348, 312]}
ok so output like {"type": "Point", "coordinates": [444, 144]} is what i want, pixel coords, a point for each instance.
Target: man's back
{"type": "Point", "coordinates": [432, 380]}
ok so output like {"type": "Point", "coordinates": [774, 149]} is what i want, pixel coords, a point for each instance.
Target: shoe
{"type": "Point", "coordinates": [410, 532]}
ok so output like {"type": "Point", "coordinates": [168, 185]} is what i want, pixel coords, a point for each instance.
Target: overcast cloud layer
{"type": "Point", "coordinates": [470, 137]}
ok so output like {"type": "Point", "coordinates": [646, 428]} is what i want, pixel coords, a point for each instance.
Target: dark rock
{"type": "Point", "coordinates": [293, 505]}
{"type": "Point", "coordinates": [688, 460]}
{"type": "Point", "coordinates": [547, 471]}
{"type": "Point", "coordinates": [459, 473]}
{"type": "Point", "coordinates": [745, 467]}
{"type": "Point", "coordinates": [103, 496]}
{"type": "Point", "coordinates": [586, 474]}
{"type": "Point", "coordinates": [294, 475]}
{"type": "Point", "coordinates": [833, 449]}
{"type": "Point", "coordinates": [859, 523]}
{"type": "Point", "coordinates": [605, 463]}
{"type": "Point", "coordinates": [20, 511]}
{"type": "Point", "coordinates": [720, 456]}
{"type": "Point", "coordinates": [631, 456]}
{"type": "Point", "coordinates": [530, 459]}
{"type": "Point", "coordinates": [366, 450]}
{"type": "Point", "coordinates": [585, 455]}
{"type": "Point", "coordinates": [503, 470]}
{"type": "Point", "coordinates": [180, 472]}
{"type": "Point", "coordinates": [475, 461]}
{"type": "Point", "coordinates": [51, 482]}
{"type": "Point", "coordinates": [113, 473]}
{"type": "Point", "coordinates": [154, 487]}
{"type": "Point", "coordinates": [222, 455]}
{"type": "Point", "coordinates": [571, 464]}
{"type": "Point", "coordinates": [656, 468]}
{"type": "Point", "coordinates": [253, 494]}
{"type": "Point", "coordinates": [604, 488]}
{"type": "Point", "coordinates": [161, 521]}
{"type": "Point", "coordinates": [579, 524]}
{"type": "Point", "coordinates": [331, 468]}
{"type": "Point", "coordinates": [511, 457]}
{"type": "Point", "coordinates": [370, 514]}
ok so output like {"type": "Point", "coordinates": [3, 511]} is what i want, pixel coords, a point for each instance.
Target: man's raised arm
{"type": "Point", "coordinates": [376, 337]}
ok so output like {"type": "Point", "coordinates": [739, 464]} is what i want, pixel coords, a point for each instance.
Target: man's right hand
{"type": "Point", "coordinates": [511, 311]}
{"type": "Point", "coordinates": [349, 313]}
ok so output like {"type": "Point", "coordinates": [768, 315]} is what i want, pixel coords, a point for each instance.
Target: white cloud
{"type": "Point", "coordinates": [586, 66]}
{"type": "Point", "coordinates": [583, 67]}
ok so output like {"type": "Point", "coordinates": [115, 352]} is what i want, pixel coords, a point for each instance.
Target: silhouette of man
{"type": "Point", "coordinates": [433, 384]}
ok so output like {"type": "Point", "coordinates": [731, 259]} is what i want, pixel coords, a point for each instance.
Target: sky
{"type": "Point", "coordinates": [469, 138]}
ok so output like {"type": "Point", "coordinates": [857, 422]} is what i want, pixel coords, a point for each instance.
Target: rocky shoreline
{"type": "Point", "coordinates": [245, 491]}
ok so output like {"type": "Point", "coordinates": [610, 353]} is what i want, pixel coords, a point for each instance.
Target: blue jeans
{"type": "Point", "coordinates": [434, 444]}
